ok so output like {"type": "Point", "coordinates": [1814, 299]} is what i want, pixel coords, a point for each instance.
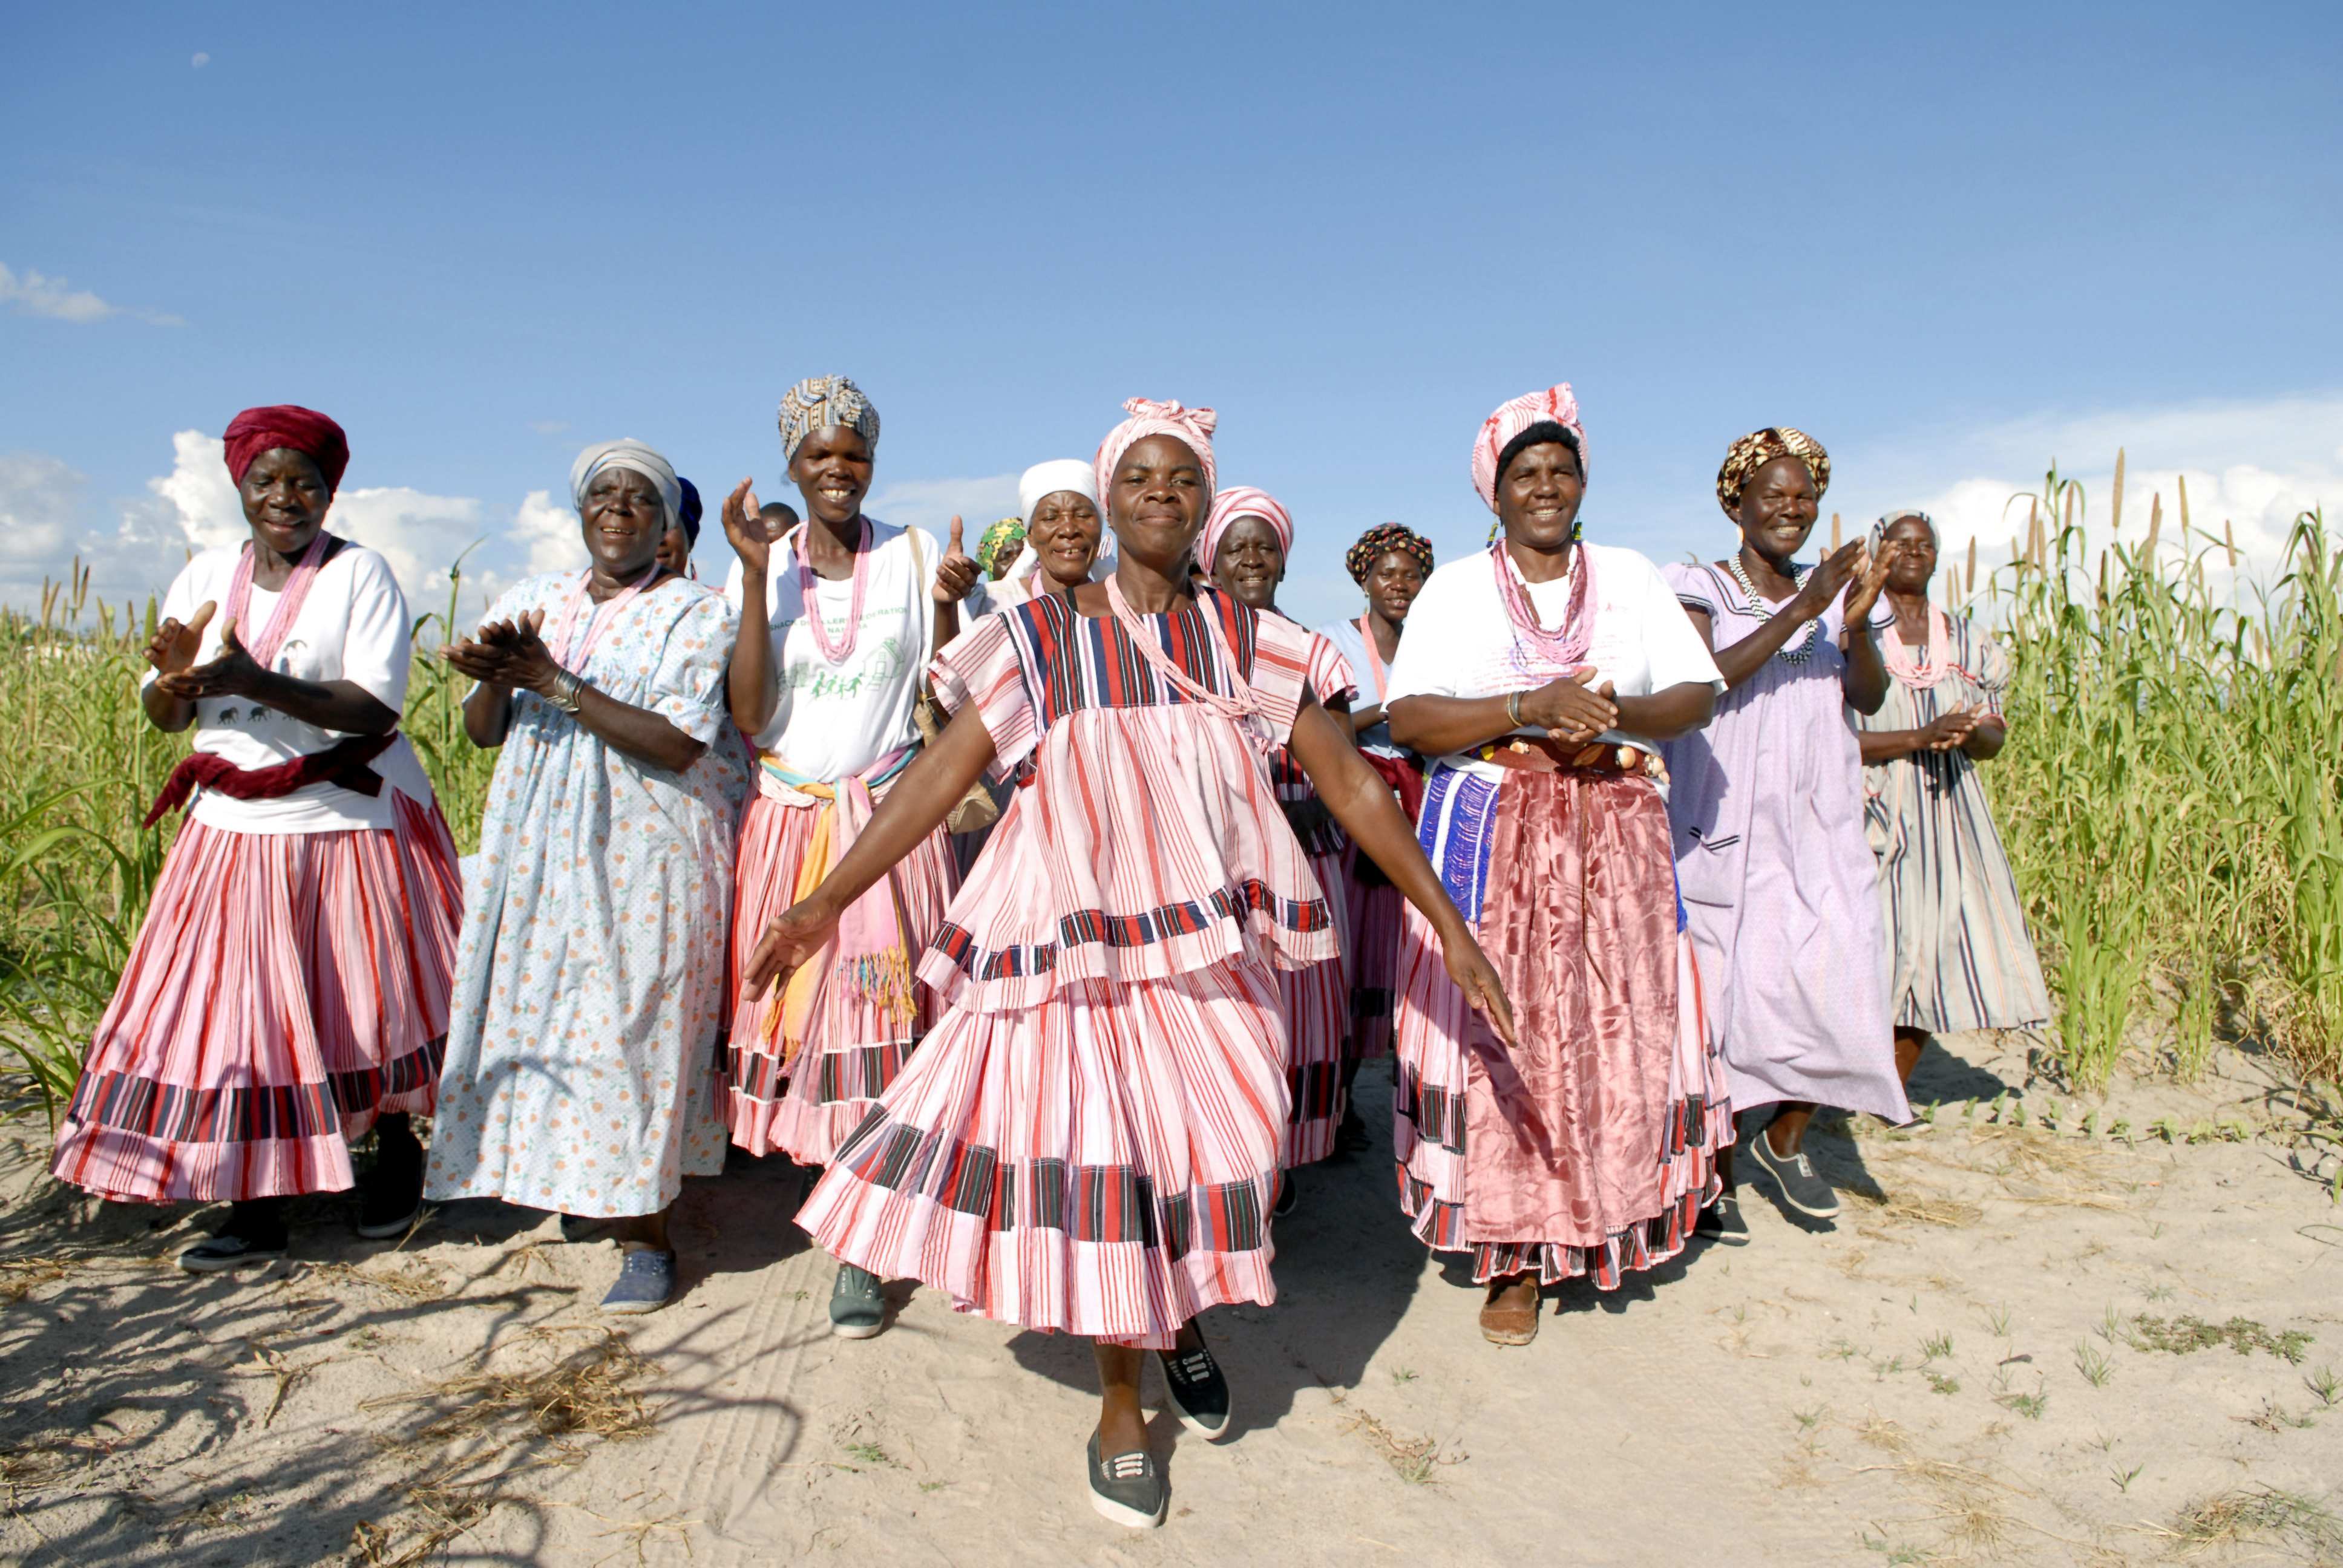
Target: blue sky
{"type": "Point", "coordinates": [1952, 243]}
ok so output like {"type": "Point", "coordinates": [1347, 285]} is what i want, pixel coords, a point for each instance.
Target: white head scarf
{"type": "Point", "coordinates": [632, 455]}
{"type": "Point", "coordinates": [1045, 479]}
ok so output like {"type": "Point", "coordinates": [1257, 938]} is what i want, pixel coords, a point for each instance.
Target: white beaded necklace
{"type": "Point", "coordinates": [1804, 651]}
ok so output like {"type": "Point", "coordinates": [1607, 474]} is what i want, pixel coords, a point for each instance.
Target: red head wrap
{"type": "Point", "coordinates": [305, 430]}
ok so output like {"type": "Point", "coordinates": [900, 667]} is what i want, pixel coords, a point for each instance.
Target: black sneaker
{"type": "Point", "coordinates": [217, 1254]}
{"type": "Point", "coordinates": [1127, 1488]}
{"type": "Point", "coordinates": [1289, 1196]}
{"type": "Point", "coordinates": [1722, 1223]}
{"type": "Point", "coordinates": [392, 1202]}
{"type": "Point", "coordinates": [1795, 1179]}
{"type": "Point", "coordinates": [1200, 1395]}
{"type": "Point", "coordinates": [858, 1311]}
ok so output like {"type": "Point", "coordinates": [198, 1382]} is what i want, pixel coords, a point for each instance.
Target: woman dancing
{"type": "Point", "coordinates": [1088, 1139]}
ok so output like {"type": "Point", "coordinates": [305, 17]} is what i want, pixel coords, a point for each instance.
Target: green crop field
{"type": "Point", "coordinates": [2171, 794]}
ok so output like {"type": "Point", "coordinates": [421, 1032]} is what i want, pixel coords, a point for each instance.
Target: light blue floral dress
{"type": "Point", "coordinates": [582, 1067]}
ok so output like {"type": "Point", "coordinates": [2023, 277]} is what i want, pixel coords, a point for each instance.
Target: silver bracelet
{"type": "Point", "coordinates": [1514, 708]}
{"type": "Point", "coordinates": [566, 694]}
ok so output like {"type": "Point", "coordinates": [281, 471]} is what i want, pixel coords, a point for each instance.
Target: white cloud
{"type": "Point", "coordinates": [2253, 466]}
{"type": "Point", "coordinates": [38, 495]}
{"type": "Point", "coordinates": [932, 504]}
{"type": "Point", "coordinates": [549, 427]}
{"type": "Point", "coordinates": [36, 295]}
{"type": "Point", "coordinates": [201, 60]}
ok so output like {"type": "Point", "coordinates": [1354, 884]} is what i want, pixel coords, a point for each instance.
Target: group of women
{"type": "Point", "coordinates": [1591, 848]}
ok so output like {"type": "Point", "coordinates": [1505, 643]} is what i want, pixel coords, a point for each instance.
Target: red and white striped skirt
{"type": "Point", "coordinates": [806, 1108]}
{"type": "Point", "coordinates": [285, 990]}
{"type": "Point", "coordinates": [1102, 1163]}
{"type": "Point", "coordinates": [1316, 1001]}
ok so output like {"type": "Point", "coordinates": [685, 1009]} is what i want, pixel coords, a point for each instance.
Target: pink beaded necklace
{"type": "Point", "coordinates": [1537, 649]}
{"type": "Point", "coordinates": [1920, 674]}
{"type": "Point", "coordinates": [838, 652]}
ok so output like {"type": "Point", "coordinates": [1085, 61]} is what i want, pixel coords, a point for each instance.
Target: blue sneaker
{"type": "Point", "coordinates": [646, 1280]}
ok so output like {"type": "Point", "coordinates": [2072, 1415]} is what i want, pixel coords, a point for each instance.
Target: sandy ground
{"type": "Point", "coordinates": [1969, 1366]}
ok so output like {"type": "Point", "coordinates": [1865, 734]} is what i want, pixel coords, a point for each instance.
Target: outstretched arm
{"type": "Point", "coordinates": [1363, 803]}
{"type": "Point", "coordinates": [918, 804]}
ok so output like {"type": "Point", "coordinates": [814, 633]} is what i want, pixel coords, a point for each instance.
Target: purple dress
{"type": "Point", "coordinates": [1780, 888]}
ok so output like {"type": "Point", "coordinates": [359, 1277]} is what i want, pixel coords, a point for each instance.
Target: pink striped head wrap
{"type": "Point", "coordinates": [1244, 501]}
{"type": "Point", "coordinates": [1194, 426]}
{"type": "Point", "coordinates": [1558, 405]}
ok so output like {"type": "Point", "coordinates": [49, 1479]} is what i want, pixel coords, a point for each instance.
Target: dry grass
{"type": "Point", "coordinates": [1417, 1461]}
{"type": "Point", "coordinates": [591, 1391]}
{"type": "Point", "coordinates": [410, 1280]}
{"type": "Point", "coordinates": [19, 1277]}
{"type": "Point", "coordinates": [2265, 1516]}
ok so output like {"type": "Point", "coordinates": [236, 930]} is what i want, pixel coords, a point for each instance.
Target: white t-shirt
{"type": "Point", "coordinates": [833, 720]}
{"type": "Point", "coordinates": [1458, 641]}
{"type": "Point", "coordinates": [352, 627]}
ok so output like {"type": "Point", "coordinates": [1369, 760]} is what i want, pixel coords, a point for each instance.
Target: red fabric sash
{"type": "Point", "coordinates": [343, 763]}
{"type": "Point", "coordinates": [1406, 778]}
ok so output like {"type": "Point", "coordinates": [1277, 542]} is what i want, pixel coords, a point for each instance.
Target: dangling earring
{"type": "Point", "coordinates": [1493, 529]}
{"type": "Point", "coordinates": [1577, 530]}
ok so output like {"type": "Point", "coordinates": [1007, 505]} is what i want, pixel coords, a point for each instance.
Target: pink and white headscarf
{"type": "Point", "coordinates": [1558, 405]}
{"type": "Point", "coordinates": [1192, 426]}
{"type": "Point", "coordinates": [1244, 501]}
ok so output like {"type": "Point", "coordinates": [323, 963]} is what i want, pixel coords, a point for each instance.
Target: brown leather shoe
{"type": "Point", "coordinates": [1510, 1316]}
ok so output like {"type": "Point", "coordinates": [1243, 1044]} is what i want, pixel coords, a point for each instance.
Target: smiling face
{"type": "Point", "coordinates": [831, 469]}
{"type": "Point", "coordinates": [1156, 501]}
{"type": "Point", "coordinates": [1538, 495]}
{"type": "Point", "coordinates": [1064, 531]}
{"type": "Point", "coordinates": [1392, 585]}
{"type": "Point", "coordinates": [285, 498]}
{"type": "Point", "coordinates": [1249, 563]}
{"type": "Point", "coordinates": [1913, 565]}
{"type": "Point", "coordinates": [1778, 506]}
{"type": "Point", "coordinates": [624, 521]}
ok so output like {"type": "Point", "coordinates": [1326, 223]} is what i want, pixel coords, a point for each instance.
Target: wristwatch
{"type": "Point", "coordinates": [566, 692]}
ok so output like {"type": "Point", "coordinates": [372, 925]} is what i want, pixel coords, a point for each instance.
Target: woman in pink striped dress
{"type": "Point", "coordinates": [1088, 1139]}
{"type": "Point", "coordinates": [1244, 548]}
{"type": "Point", "coordinates": [288, 990]}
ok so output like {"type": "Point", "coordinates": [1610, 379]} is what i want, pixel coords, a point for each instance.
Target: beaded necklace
{"type": "Point", "coordinates": [810, 611]}
{"type": "Point", "coordinates": [1804, 651]}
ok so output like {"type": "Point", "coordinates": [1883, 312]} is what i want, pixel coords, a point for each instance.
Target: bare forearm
{"type": "Point", "coordinates": [1363, 803]}
{"type": "Point", "coordinates": [1665, 714]}
{"type": "Point", "coordinates": [166, 712]}
{"type": "Point", "coordinates": [1866, 681]}
{"type": "Point", "coordinates": [1437, 726]}
{"type": "Point", "coordinates": [1739, 660]}
{"type": "Point", "coordinates": [1986, 741]}
{"type": "Point", "coordinates": [645, 736]}
{"type": "Point", "coordinates": [342, 705]}
{"type": "Point", "coordinates": [1365, 718]}
{"type": "Point", "coordinates": [487, 715]}
{"type": "Point", "coordinates": [750, 688]}
{"type": "Point", "coordinates": [1888, 745]}
{"type": "Point", "coordinates": [916, 807]}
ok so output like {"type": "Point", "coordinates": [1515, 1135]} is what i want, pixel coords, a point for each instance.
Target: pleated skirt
{"type": "Point", "coordinates": [285, 990]}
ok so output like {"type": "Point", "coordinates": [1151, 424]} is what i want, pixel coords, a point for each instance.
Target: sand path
{"type": "Point", "coordinates": [1961, 1372]}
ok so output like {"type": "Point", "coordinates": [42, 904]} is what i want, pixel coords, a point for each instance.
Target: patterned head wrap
{"type": "Point", "coordinates": [1192, 426]}
{"type": "Point", "coordinates": [1558, 405]}
{"type": "Point", "coordinates": [304, 430]}
{"type": "Point", "coordinates": [816, 403]}
{"type": "Point", "coordinates": [997, 547]}
{"type": "Point", "coordinates": [1759, 448]}
{"type": "Point", "coordinates": [1381, 540]}
{"type": "Point", "coordinates": [1244, 501]}
{"type": "Point", "coordinates": [633, 456]}
{"type": "Point", "coordinates": [688, 511]}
